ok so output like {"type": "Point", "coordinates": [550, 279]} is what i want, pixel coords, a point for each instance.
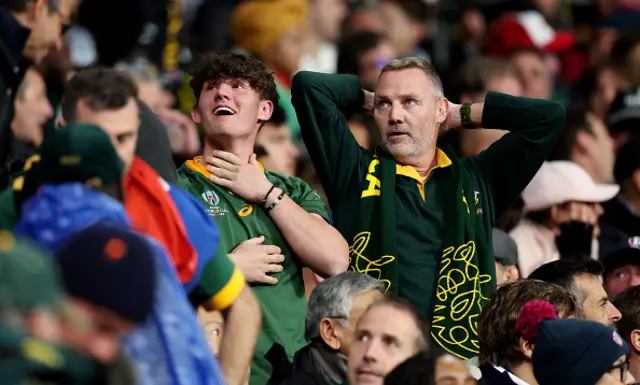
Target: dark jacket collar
{"type": "Point", "coordinates": [492, 376]}
{"type": "Point", "coordinates": [13, 37]}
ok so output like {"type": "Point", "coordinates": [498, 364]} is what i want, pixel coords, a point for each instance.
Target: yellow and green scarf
{"type": "Point", "coordinates": [466, 268]}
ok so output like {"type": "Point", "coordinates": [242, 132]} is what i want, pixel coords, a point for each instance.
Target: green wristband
{"type": "Point", "coordinates": [465, 116]}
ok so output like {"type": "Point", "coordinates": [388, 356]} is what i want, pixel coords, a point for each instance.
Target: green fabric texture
{"type": "Point", "coordinates": [28, 279]}
{"type": "Point", "coordinates": [79, 152]}
{"type": "Point", "coordinates": [462, 289]}
{"type": "Point", "coordinates": [373, 249]}
{"type": "Point", "coordinates": [8, 212]}
{"type": "Point", "coordinates": [28, 360]}
{"type": "Point", "coordinates": [284, 305]}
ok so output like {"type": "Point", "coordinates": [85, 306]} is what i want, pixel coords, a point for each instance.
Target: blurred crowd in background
{"type": "Point", "coordinates": [584, 201]}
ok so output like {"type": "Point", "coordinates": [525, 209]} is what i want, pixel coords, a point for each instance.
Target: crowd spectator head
{"type": "Point", "coordinates": [146, 77]}
{"type": "Point", "coordinates": [106, 98]}
{"type": "Point", "coordinates": [272, 31]}
{"type": "Point", "coordinates": [96, 266]}
{"type": "Point", "coordinates": [417, 77]}
{"type": "Point", "coordinates": [335, 307]}
{"type": "Point", "coordinates": [564, 199]}
{"type": "Point", "coordinates": [628, 302]}
{"type": "Point", "coordinates": [419, 369]}
{"type": "Point", "coordinates": [81, 153]}
{"type": "Point", "coordinates": [213, 326]}
{"type": "Point", "coordinates": [583, 278]}
{"type": "Point", "coordinates": [44, 18]}
{"type": "Point", "coordinates": [388, 333]}
{"type": "Point", "coordinates": [480, 75]}
{"type": "Point", "coordinates": [31, 294]}
{"type": "Point", "coordinates": [569, 351]}
{"type": "Point", "coordinates": [471, 83]}
{"type": "Point", "coordinates": [326, 18]}
{"type": "Point", "coordinates": [364, 53]}
{"type": "Point", "coordinates": [505, 252]}
{"type": "Point", "coordinates": [451, 370]}
{"type": "Point", "coordinates": [500, 343]}
{"type": "Point", "coordinates": [274, 147]}
{"type": "Point", "coordinates": [586, 142]}
{"type": "Point", "coordinates": [627, 170]}
{"type": "Point", "coordinates": [31, 109]}
{"type": "Point", "coordinates": [625, 58]}
{"type": "Point", "coordinates": [535, 72]}
{"type": "Point", "coordinates": [235, 95]}
{"type": "Point", "coordinates": [599, 86]}
{"type": "Point", "coordinates": [549, 8]}
{"type": "Point", "coordinates": [405, 23]}
{"type": "Point", "coordinates": [364, 17]}
{"type": "Point", "coordinates": [623, 116]}
{"type": "Point", "coordinates": [622, 266]}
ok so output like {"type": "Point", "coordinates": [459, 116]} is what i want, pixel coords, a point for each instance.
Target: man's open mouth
{"type": "Point", "coordinates": [223, 111]}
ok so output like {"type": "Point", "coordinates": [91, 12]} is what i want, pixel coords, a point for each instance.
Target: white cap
{"type": "Point", "coordinates": [563, 181]}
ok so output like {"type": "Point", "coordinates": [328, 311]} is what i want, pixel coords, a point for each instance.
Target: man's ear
{"type": "Point", "coordinates": [635, 340]}
{"type": "Point", "coordinates": [526, 348]}
{"type": "Point", "coordinates": [581, 141]}
{"type": "Point", "coordinates": [266, 109]}
{"type": "Point", "coordinates": [512, 273]}
{"type": "Point", "coordinates": [442, 109]}
{"type": "Point", "coordinates": [195, 115]}
{"type": "Point", "coordinates": [329, 332]}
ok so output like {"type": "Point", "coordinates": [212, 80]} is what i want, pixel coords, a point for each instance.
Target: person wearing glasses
{"type": "Point", "coordinates": [572, 351]}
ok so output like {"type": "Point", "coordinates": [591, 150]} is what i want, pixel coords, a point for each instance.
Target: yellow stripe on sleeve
{"type": "Point", "coordinates": [225, 297]}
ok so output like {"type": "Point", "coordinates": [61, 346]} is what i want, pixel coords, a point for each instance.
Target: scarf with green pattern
{"type": "Point", "coordinates": [466, 269]}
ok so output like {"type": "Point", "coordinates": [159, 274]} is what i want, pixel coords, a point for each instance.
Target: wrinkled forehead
{"type": "Point", "coordinates": [406, 82]}
{"type": "Point", "coordinates": [384, 320]}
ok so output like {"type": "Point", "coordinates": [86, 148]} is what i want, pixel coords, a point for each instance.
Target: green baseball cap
{"type": "Point", "coordinates": [80, 152]}
{"type": "Point", "coordinates": [28, 278]}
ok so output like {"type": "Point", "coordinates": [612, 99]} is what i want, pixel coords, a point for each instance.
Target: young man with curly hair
{"type": "Point", "coordinates": [271, 225]}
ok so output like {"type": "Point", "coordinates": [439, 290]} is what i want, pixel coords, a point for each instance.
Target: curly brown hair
{"type": "Point", "coordinates": [499, 340]}
{"type": "Point", "coordinates": [219, 66]}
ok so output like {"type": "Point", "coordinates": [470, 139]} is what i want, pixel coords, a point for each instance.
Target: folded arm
{"type": "Point", "coordinates": [509, 164]}
{"type": "Point", "coordinates": [322, 101]}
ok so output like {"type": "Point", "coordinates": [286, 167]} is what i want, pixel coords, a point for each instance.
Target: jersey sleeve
{"type": "Point", "coordinates": [308, 199]}
{"type": "Point", "coordinates": [220, 284]}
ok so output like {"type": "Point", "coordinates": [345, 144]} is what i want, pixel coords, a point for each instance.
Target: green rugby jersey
{"type": "Point", "coordinates": [284, 306]}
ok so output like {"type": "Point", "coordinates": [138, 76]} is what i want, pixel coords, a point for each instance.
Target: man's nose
{"type": "Point", "coordinates": [635, 280]}
{"type": "Point", "coordinates": [395, 115]}
{"type": "Point", "coordinates": [223, 92]}
{"type": "Point", "coordinates": [614, 313]}
{"type": "Point", "coordinates": [371, 352]}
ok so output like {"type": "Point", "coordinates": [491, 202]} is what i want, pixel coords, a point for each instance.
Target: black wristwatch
{"type": "Point", "coordinates": [465, 116]}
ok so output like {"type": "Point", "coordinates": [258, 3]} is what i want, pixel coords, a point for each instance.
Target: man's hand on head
{"type": "Point", "coordinates": [453, 120]}
{"type": "Point", "coordinates": [245, 179]}
{"type": "Point", "coordinates": [369, 99]}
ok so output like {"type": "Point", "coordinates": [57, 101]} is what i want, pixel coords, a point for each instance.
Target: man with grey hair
{"type": "Point", "coordinates": [417, 217]}
{"type": "Point", "coordinates": [335, 307]}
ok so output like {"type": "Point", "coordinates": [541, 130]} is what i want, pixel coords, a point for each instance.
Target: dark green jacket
{"type": "Point", "coordinates": [500, 173]}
